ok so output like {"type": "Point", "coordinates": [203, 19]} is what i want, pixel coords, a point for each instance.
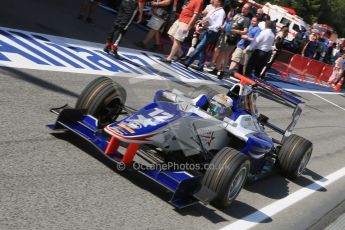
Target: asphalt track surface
{"type": "Point", "coordinates": [54, 181]}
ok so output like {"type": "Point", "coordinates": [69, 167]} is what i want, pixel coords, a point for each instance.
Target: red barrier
{"type": "Point", "coordinates": [306, 67]}
{"type": "Point", "coordinates": [325, 74]}
{"type": "Point", "coordinates": [280, 66]}
{"type": "Point", "coordinates": [313, 69]}
{"type": "Point", "coordinates": [297, 66]}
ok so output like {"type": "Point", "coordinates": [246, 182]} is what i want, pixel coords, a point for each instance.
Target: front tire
{"type": "Point", "coordinates": [103, 99]}
{"type": "Point", "coordinates": [294, 156]}
{"type": "Point", "coordinates": [226, 175]}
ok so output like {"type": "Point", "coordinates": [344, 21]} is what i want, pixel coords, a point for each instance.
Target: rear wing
{"type": "Point", "coordinates": [269, 87]}
{"type": "Point", "coordinates": [279, 93]}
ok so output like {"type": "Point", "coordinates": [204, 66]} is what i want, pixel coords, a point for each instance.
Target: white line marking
{"type": "Point", "coordinates": [329, 102]}
{"type": "Point", "coordinates": [297, 79]}
{"type": "Point", "coordinates": [278, 206]}
{"type": "Point", "coordinates": [306, 91]}
{"type": "Point", "coordinates": [312, 91]}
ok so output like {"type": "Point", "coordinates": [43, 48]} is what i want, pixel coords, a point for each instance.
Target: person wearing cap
{"type": "Point", "coordinates": [126, 13]}
{"type": "Point", "coordinates": [309, 50]}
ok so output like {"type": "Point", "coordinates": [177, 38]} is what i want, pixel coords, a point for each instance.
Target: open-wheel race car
{"type": "Point", "coordinates": [220, 137]}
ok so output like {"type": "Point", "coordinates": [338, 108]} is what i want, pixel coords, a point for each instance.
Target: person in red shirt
{"type": "Point", "coordinates": [179, 30]}
{"type": "Point", "coordinates": [126, 13]}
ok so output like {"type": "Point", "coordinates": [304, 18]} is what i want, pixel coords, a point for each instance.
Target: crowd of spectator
{"type": "Point", "coordinates": [316, 46]}
{"type": "Point", "coordinates": [245, 40]}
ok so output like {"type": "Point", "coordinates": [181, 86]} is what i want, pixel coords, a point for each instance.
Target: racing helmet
{"type": "Point", "coordinates": [220, 106]}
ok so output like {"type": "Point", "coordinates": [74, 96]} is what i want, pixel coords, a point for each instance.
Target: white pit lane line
{"type": "Point", "coordinates": [278, 206]}
{"type": "Point", "coordinates": [329, 101]}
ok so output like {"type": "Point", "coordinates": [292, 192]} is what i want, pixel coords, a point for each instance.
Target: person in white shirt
{"type": "Point", "coordinates": [212, 23]}
{"type": "Point", "coordinates": [338, 69]}
{"type": "Point", "coordinates": [277, 47]}
{"type": "Point", "coordinates": [208, 8]}
{"type": "Point", "coordinates": [262, 47]}
{"type": "Point", "coordinates": [198, 30]}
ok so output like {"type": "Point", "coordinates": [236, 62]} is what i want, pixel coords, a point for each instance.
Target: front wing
{"type": "Point", "coordinates": [185, 189]}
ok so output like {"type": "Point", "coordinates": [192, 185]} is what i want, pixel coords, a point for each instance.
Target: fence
{"type": "Point", "coordinates": [303, 67]}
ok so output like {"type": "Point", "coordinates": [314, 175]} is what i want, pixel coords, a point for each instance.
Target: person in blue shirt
{"type": "Point", "coordinates": [322, 49]}
{"type": "Point", "coordinates": [239, 58]}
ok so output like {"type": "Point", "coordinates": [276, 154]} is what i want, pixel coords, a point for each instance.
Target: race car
{"type": "Point", "coordinates": [220, 137]}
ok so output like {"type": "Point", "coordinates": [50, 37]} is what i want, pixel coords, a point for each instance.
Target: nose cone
{"type": "Point", "coordinates": [147, 121]}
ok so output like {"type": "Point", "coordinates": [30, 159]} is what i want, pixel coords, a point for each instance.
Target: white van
{"type": "Point", "coordinates": [283, 17]}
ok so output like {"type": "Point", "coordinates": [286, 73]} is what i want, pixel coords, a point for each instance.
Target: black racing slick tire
{"type": "Point", "coordinates": [203, 89]}
{"type": "Point", "coordinates": [92, 87]}
{"type": "Point", "coordinates": [294, 156]}
{"type": "Point", "coordinates": [226, 175]}
{"type": "Point", "coordinates": [104, 99]}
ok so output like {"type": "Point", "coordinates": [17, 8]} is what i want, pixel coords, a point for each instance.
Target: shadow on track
{"type": "Point", "coordinates": [278, 185]}
{"type": "Point", "coordinates": [20, 75]}
{"type": "Point", "coordinates": [238, 209]}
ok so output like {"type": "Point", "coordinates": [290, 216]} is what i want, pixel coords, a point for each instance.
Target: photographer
{"type": "Point", "coordinates": [240, 25]}
{"type": "Point", "coordinates": [239, 57]}
{"type": "Point", "coordinates": [160, 15]}
{"type": "Point", "coordinates": [211, 24]}
{"type": "Point", "coordinates": [198, 30]}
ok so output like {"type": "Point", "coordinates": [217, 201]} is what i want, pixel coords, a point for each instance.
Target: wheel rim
{"type": "Point", "coordinates": [237, 183]}
{"type": "Point", "coordinates": [110, 111]}
{"type": "Point", "coordinates": [304, 162]}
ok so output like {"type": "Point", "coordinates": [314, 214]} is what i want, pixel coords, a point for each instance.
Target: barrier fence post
{"type": "Point", "coordinates": [314, 70]}
{"type": "Point", "coordinates": [325, 74]}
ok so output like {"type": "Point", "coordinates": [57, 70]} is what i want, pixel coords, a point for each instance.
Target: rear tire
{"type": "Point", "coordinates": [294, 156]}
{"type": "Point", "coordinates": [203, 89]}
{"type": "Point", "coordinates": [103, 99]}
{"type": "Point", "coordinates": [226, 175]}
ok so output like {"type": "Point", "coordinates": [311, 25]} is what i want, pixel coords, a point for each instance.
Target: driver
{"type": "Point", "coordinates": [220, 106]}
